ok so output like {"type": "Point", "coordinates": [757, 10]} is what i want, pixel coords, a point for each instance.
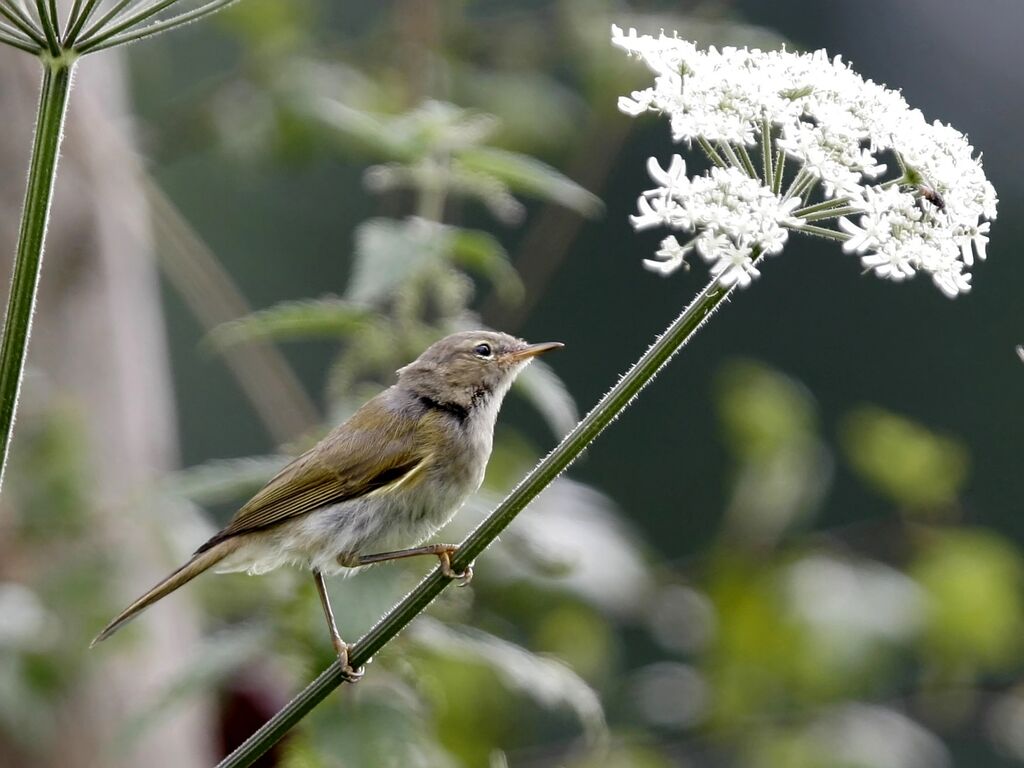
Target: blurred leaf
{"type": "Point", "coordinates": [906, 462]}
{"type": "Point", "coordinates": [546, 392]}
{"type": "Point", "coordinates": [482, 254]}
{"type": "Point", "coordinates": [50, 477]}
{"type": "Point", "coordinates": [762, 410]}
{"type": "Point", "coordinates": [224, 480]}
{"type": "Point", "coordinates": [359, 129]}
{"type": "Point", "coordinates": [975, 614]}
{"type": "Point", "coordinates": [549, 682]}
{"type": "Point", "coordinates": [308, 318]}
{"type": "Point", "coordinates": [529, 176]}
{"type": "Point", "coordinates": [390, 253]}
{"type": "Point", "coordinates": [219, 657]}
{"type": "Point", "coordinates": [434, 128]}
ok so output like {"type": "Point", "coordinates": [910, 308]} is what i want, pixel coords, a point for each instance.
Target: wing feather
{"type": "Point", "coordinates": [344, 466]}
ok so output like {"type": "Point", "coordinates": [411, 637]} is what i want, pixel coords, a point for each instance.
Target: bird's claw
{"type": "Point", "coordinates": [348, 673]}
{"type": "Point", "coordinates": [462, 577]}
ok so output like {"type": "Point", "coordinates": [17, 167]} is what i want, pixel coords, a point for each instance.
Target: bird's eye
{"type": "Point", "coordinates": [482, 350]}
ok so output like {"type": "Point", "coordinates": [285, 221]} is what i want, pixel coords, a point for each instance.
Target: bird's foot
{"type": "Point", "coordinates": [348, 673]}
{"type": "Point", "coordinates": [445, 556]}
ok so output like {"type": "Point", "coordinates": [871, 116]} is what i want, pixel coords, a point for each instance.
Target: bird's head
{"type": "Point", "coordinates": [470, 367]}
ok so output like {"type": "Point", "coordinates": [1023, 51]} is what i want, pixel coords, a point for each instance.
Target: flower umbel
{"type": "Point", "coordinates": [904, 194]}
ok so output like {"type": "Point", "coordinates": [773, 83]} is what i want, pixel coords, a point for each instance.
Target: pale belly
{"type": "Point", "coordinates": [380, 522]}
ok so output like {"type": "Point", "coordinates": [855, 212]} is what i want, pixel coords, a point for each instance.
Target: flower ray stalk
{"type": "Point", "coordinates": [53, 101]}
{"type": "Point", "coordinates": [610, 406]}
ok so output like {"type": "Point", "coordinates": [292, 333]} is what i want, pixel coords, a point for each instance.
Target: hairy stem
{"type": "Point", "coordinates": [748, 164]}
{"type": "Point", "coordinates": [810, 229]}
{"type": "Point", "coordinates": [610, 406]}
{"type": "Point", "coordinates": [830, 213]}
{"type": "Point", "coordinates": [53, 102]}
{"type": "Point", "coordinates": [780, 170]}
{"type": "Point", "coordinates": [711, 152]}
{"type": "Point", "coordinates": [767, 167]}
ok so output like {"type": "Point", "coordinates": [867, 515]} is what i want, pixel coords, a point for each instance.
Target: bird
{"type": "Point", "coordinates": [378, 485]}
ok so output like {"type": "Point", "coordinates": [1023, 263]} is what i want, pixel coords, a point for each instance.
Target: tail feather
{"type": "Point", "coordinates": [200, 562]}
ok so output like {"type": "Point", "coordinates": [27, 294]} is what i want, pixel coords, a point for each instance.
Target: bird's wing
{"type": "Point", "coordinates": [345, 466]}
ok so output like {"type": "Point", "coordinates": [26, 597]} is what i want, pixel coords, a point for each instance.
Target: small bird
{"type": "Point", "coordinates": [378, 485]}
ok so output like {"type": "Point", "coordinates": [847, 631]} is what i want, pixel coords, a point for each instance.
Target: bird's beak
{"type": "Point", "coordinates": [533, 350]}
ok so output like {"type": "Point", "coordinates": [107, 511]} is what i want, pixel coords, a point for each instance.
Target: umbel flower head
{"type": "Point", "coordinates": [904, 194]}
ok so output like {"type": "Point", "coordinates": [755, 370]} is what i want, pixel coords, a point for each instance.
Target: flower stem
{"type": "Point", "coordinates": [748, 164]}
{"type": "Point", "coordinates": [831, 213]}
{"type": "Point", "coordinates": [711, 152]}
{"type": "Point", "coordinates": [53, 102]}
{"type": "Point", "coordinates": [610, 406]}
{"type": "Point", "coordinates": [767, 168]}
{"type": "Point", "coordinates": [833, 204]}
{"type": "Point", "coordinates": [810, 229]}
{"type": "Point", "coordinates": [780, 170]}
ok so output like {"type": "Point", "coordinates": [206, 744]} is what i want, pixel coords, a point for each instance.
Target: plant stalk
{"type": "Point", "coordinates": [610, 406]}
{"type": "Point", "coordinates": [53, 101]}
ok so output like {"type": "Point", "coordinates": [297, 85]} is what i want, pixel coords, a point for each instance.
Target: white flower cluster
{"type": "Point", "coordinates": [843, 131]}
{"type": "Point", "coordinates": [733, 214]}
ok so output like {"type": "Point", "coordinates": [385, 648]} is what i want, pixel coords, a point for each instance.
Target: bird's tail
{"type": "Point", "coordinates": [200, 562]}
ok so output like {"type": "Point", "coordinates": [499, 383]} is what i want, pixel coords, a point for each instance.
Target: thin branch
{"type": "Point", "coordinates": [780, 170]}
{"type": "Point", "coordinates": [15, 41]}
{"type": "Point", "coordinates": [16, 16]}
{"type": "Point", "coordinates": [76, 8]}
{"type": "Point", "coordinates": [103, 41]}
{"type": "Point", "coordinates": [748, 164]}
{"type": "Point", "coordinates": [830, 213]}
{"type": "Point", "coordinates": [55, 19]}
{"type": "Point", "coordinates": [260, 369]}
{"type": "Point", "coordinates": [610, 406]}
{"type": "Point", "coordinates": [836, 202]}
{"type": "Point", "coordinates": [103, 20]}
{"type": "Point", "coordinates": [810, 229]}
{"type": "Point", "coordinates": [727, 150]}
{"type": "Point", "coordinates": [51, 35]}
{"type": "Point", "coordinates": [766, 154]}
{"type": "Point", "coordinates": [81, 21]}
{"type": "Point", "coordinates": [711, 152]}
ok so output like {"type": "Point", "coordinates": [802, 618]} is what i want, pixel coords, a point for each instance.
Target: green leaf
{"type": "Point", "coordinates": [390, 253]}
{"type": "Point", "coordinates": [308, 318]}
{"type": "Point", "coordinates": [976, 616]}
{"type": "Point", "coordinates": [529, 176]}
{"type": "Point", "coordinates": [480, 253]}
{"type": "Point", "coordinates": [548, 682]}
{"type": "Point", "coordinates": [911, 465]}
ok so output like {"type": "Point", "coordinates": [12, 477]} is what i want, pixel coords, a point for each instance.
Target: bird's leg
{"type": "Point", "coordinates": [442, 552]}
{"type": "Point", "coordinates": [340, 646]}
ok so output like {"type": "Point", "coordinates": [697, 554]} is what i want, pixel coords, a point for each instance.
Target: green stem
{"type": "Point", "coordinates": [711, 152]}
{"type": "Point", "coordinates": [730, 154]}
{"type": "Point", "coordinates": [14, 15]}
{"type": "Point", "coordinates": [829, 213]}
{"type": "Point", "coordinates": [834, 203]}
{"type": "Point", "coordinates": [748, 164]}
{"type": "Point", "coordinates": [53, 101]}
{"type": "Point", "coordinates": [780, 170]}
{"type": "Point", "coordinates": [49, 29]}
{"type": "Point", "coordinates": [767, 168]}
{"type": "Point", "coordinates": [810, 229]}
{"type": "Point", "coordinates": [610, 406]}
{"type": "Point", "coordinates": [156, 28]}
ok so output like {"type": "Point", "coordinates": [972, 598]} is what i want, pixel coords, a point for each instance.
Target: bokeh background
{"type": "Point", "coordinates": [802, 546]}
